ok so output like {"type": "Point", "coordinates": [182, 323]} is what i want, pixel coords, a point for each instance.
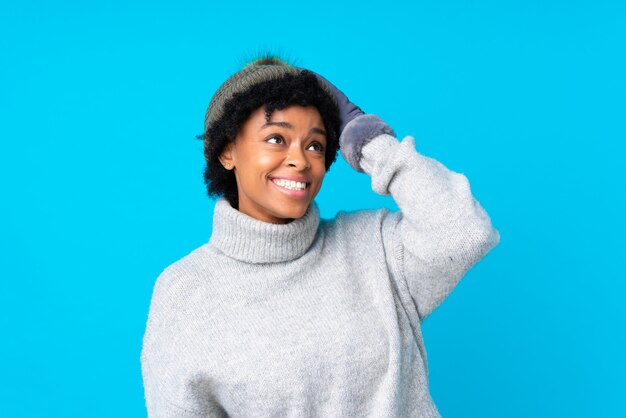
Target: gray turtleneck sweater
{"type": "Point", "coordinates": [317, 317]}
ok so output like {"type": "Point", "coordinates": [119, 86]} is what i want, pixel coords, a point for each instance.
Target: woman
{"type": "Point", "coordinates": [282, 313]}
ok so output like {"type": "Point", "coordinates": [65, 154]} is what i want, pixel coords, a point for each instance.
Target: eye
{"type": "Point", "coordinates": [275, 139]}
{"type": "Point", "coordinates": [318, 147]}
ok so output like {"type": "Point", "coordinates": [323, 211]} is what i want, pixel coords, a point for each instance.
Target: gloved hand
{"type": "Point", "coordinates": [357, 128]}
{"type": "Point", "coordinates": [347, 109]}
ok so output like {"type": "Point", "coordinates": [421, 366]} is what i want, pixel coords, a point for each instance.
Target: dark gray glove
{"type": "Point", "coordinates": [357, 128]}
{"type": "Point", "coordinates": [347, 109]}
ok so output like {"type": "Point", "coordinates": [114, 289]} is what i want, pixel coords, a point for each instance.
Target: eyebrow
{"type": "Point", "coordinates": [290, 126]}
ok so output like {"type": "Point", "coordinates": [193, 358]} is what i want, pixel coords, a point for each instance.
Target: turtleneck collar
{"type": "Point", "coordinates": [244, 238]}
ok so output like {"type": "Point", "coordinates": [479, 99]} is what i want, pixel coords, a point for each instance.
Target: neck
{"type": "Point", "coordinates": [244, 238]}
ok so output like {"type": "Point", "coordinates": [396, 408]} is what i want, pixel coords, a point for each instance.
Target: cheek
{"type": "Point", "coordinates": [320, 168]}
{"type": "Point", "coordinates": [254, 165]}
{"type": "Point", "coordinates": [319, 174]}
{"type": "Point", "coordinates": [264, 160]}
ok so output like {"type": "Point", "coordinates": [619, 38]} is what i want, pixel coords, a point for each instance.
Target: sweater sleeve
{"type": "Point", "coordinates": [440, 231]}
{"type": "Point", "coordinates": [156, 403]}
{"type": "Point", "coordinates": [166, 393]}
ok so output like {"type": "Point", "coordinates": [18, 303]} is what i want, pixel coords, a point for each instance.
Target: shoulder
{"type": "Point", "coordinates": [179, 287]}
{"type": "Point", "coordinates": [185, 294]}
{"type": "Point", "coordinates": [179, 276]}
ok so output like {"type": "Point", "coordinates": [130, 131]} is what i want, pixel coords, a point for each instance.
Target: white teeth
{"type": "Point", "coordinates": [289, 184]}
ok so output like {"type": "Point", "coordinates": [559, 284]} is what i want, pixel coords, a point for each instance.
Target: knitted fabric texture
{"type": "Point", "coordinates": [253, 73]}
{"type": "Point", "coordinates": [318, 317]}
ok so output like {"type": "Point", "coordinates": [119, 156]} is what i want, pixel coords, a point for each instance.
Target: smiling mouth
{"type": "Point", "coordinates": [290, 184]}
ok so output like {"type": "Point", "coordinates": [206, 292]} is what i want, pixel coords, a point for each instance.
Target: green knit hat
{"type": "Point", "coordinates": [255, 72]}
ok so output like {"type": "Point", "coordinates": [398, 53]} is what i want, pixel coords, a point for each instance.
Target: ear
{"type": "Point", "coordinates": [227, 156]}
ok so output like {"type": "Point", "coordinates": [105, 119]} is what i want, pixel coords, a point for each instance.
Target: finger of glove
{"type": "Point", "coordinates": [347, 109]}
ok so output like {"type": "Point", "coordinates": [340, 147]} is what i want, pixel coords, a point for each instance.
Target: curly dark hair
{"type": "Point", "coordinates": [302, 89]}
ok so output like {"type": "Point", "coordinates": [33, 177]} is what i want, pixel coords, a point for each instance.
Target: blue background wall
{"type": "Point", "coordinates": [101, 182]}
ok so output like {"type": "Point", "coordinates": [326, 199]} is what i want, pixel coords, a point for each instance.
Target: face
{"type": "Point", "coordinates": [279, 164]}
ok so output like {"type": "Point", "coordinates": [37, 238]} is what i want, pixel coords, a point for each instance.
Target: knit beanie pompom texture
{"type": "Point", "coordinates": [255, 72]}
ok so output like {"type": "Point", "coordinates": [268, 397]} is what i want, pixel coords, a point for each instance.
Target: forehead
{"type": "Point", "coordinates": [300, 117]}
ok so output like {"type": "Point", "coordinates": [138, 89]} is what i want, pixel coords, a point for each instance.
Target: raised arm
{"type": "Point", "coordinates": [441, 230]}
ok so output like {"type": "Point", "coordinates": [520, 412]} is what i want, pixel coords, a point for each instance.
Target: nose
{"type": "Point", "coordinates": [297, 158]}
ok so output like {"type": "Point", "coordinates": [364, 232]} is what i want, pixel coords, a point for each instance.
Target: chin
{"type": "Point", "coordinates": [293, 213]}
